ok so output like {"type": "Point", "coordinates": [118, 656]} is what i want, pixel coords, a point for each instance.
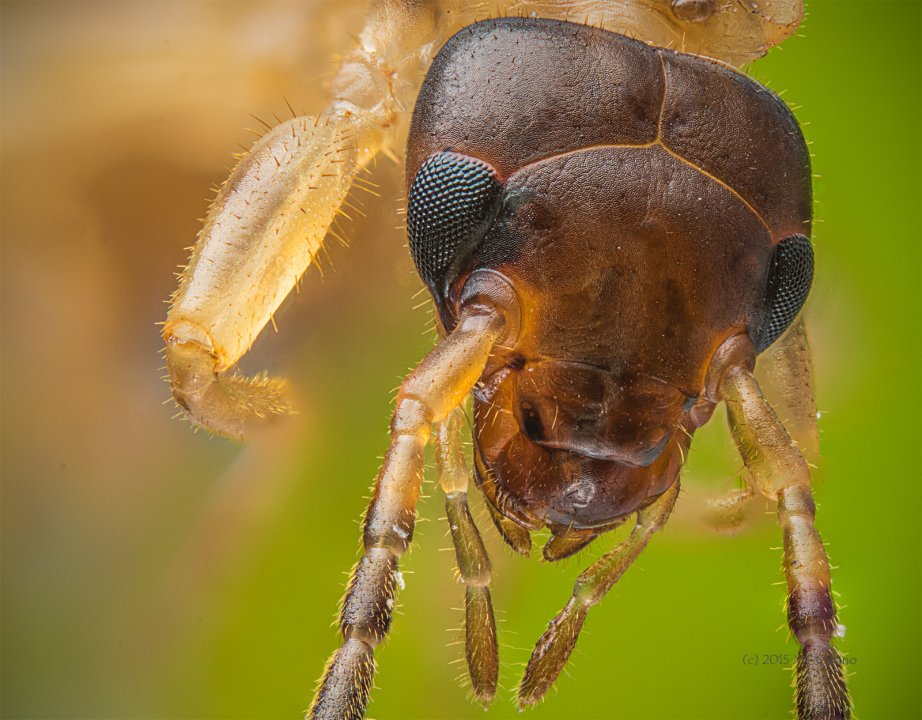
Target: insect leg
{"type": "Point", "coordinates": [780, 472]}
{"type": "Point", "coordinates": [270, 217]}
{"type": "Point", "coordinates": [262, 231]}
{"type": "Point", "coordinates": [785, 374]}
{"type": "Point", "coordinates": [728, 513]}
{"type": "Point", "coordinates": [437, 386]}
{"type": "Point", "coordinates": [554, 648]}
{"type": "Point", "coordinates": [473, 562]}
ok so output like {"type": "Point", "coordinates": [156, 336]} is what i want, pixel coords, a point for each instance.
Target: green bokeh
{"type": "Point", "coordinates": [669, 640]}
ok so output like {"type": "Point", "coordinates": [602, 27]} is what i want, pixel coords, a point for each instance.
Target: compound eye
{"type": "Point", "coordinates": [789, 280]}
{"type": "Point", "coordinates": [452, 202]}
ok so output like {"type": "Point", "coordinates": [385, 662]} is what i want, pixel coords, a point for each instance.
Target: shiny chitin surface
{"type": "Point", "coordinates": [270, 217]}
{"type": "Point", "coordinates": [644, 193]}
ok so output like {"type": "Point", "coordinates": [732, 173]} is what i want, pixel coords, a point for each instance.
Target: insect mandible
{"type": "Point", "coordinates": [613, 222]}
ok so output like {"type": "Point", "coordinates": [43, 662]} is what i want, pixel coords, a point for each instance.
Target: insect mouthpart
{"type": "Point", "coordinates": [570, 444]}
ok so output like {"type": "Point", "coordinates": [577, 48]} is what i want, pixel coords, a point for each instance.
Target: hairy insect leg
{"type": "Point", "coordinates": [785, 373]}
{"type": "Point", "coordinates": [553, 649]}
{"type": "Point", "coordinates": [780, 472]}
{"type": "Point", "coordinates": [270, 217]}
{"type": "Point", "coordinates": [437, 386]}
{"type": "Point", "coordinates": [473, 562]}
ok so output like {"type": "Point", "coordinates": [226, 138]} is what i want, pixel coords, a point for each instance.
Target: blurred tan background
{"type": "Point", "coordinates": [152, 572]}
{"type": "Point", "coordinates": [118, 522]}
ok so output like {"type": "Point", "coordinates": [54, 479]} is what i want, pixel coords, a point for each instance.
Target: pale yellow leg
{"type": "Point", "coordinates": [271, 215]}
{"type": "Point", "coordinates": [436, 387]}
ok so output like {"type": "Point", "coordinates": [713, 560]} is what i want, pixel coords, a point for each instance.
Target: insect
{"type": "Point", "coordinates": [612, 225]}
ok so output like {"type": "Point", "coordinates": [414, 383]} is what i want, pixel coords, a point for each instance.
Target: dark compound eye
{"type": "Point", "coordinates": [452, 202]}
{"type": "Point", "coordinates": [789, 280]}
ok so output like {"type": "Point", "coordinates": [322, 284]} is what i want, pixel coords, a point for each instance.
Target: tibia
{"type": "Point", "coordinates": [226, 404]}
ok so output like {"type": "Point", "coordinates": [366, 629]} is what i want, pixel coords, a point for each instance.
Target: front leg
{"type": "Point", "coordinates": [262, 231]}
{"type": "Point", "coordinates": [474, 569]}
{"type": "Point", "coordinates": [780, 472]}
{"type": "Point", "coordinates": [270, 217]}
{"type": "Point", "coordinates": [785, 374]}
{"type": "Point", "coordinates": [436, 387]}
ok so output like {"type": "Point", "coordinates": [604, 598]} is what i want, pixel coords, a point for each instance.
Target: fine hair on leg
{"type": "Point", "coordinates": [779, 471]}
{"type": "Point", "coordinates": [437, 386]}
{"type": "Point", "coordinates": [474, 569]}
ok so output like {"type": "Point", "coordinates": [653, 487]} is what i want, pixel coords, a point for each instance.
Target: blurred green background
{"type": "Point", "coordinates": [152, 572]}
